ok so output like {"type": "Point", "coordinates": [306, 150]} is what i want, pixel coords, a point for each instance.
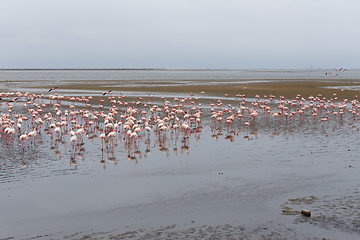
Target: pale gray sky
{"type": "Point", "coordinates": [179, 34]}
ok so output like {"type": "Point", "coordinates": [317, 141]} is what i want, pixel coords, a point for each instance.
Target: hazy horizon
{"type": "Point", "coordinates": [160, 34]}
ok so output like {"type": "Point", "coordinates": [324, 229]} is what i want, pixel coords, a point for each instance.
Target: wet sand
{"type": "Point", "coordinates": [277, 87]}
{"type": "Point", "coordinates": [248, 185]}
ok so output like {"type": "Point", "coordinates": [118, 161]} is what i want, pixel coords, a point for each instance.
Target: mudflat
{"type": "Point", "coordinates": [262, 151]}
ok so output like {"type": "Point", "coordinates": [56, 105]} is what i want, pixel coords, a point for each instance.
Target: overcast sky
{"type": "Point", "coordinates": [179, 34]}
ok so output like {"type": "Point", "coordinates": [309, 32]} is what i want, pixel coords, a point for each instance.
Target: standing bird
{"type": "Point", "coordinates": [32, 134]}
{"type": "Point", "coordinates": [73, 139]}
{"type": "Point", "coordinates": [22, 138]}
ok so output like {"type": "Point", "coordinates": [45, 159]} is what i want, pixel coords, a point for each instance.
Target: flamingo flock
{"type": "Point", "coordinates": [113, 118]}
{"type": "Point", "coordinates": [337, 71]}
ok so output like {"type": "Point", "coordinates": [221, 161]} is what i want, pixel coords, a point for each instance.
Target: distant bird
{"type": "Point", "coordinates": [340, 69]}
{"type": "Point", "coordinates": [14, 100]}
{"type": "Point", "coordinates": [104, 93]}
{"type": "Point", "coordinates": [51, 89]}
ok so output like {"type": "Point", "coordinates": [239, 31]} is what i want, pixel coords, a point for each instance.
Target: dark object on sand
{"type": "Point", "coordinates": [306, 213]}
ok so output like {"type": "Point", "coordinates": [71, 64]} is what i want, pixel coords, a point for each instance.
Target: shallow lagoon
{"type": "Point", "coordinates": [220, 181]}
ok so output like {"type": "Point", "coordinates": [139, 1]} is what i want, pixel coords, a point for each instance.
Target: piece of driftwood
{"type": "Point", "coordinates": [306, 213]}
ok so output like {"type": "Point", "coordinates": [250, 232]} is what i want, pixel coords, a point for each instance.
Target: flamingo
{"type": "Point", "coordinates": [22, 138]}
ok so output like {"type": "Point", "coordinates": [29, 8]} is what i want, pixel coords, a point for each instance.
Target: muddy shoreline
{"type": "Point", "coordinates": [277, 87]}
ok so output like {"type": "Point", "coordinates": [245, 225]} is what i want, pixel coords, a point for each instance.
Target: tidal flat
{"type": "Point", "coordinates": [210, 154]}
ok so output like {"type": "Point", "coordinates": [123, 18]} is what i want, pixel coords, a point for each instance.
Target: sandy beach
{"type": "Point", "coordinates": [244, 179]}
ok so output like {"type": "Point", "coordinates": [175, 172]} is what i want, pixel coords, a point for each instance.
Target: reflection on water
{"type": "Point", "coordinates": [60, 133]}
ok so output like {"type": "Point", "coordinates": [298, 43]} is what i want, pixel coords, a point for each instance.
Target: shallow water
{"type": "Point", "coordinates": [11, 79]}
{"type": "Point", "coordinates": [217, 175]}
